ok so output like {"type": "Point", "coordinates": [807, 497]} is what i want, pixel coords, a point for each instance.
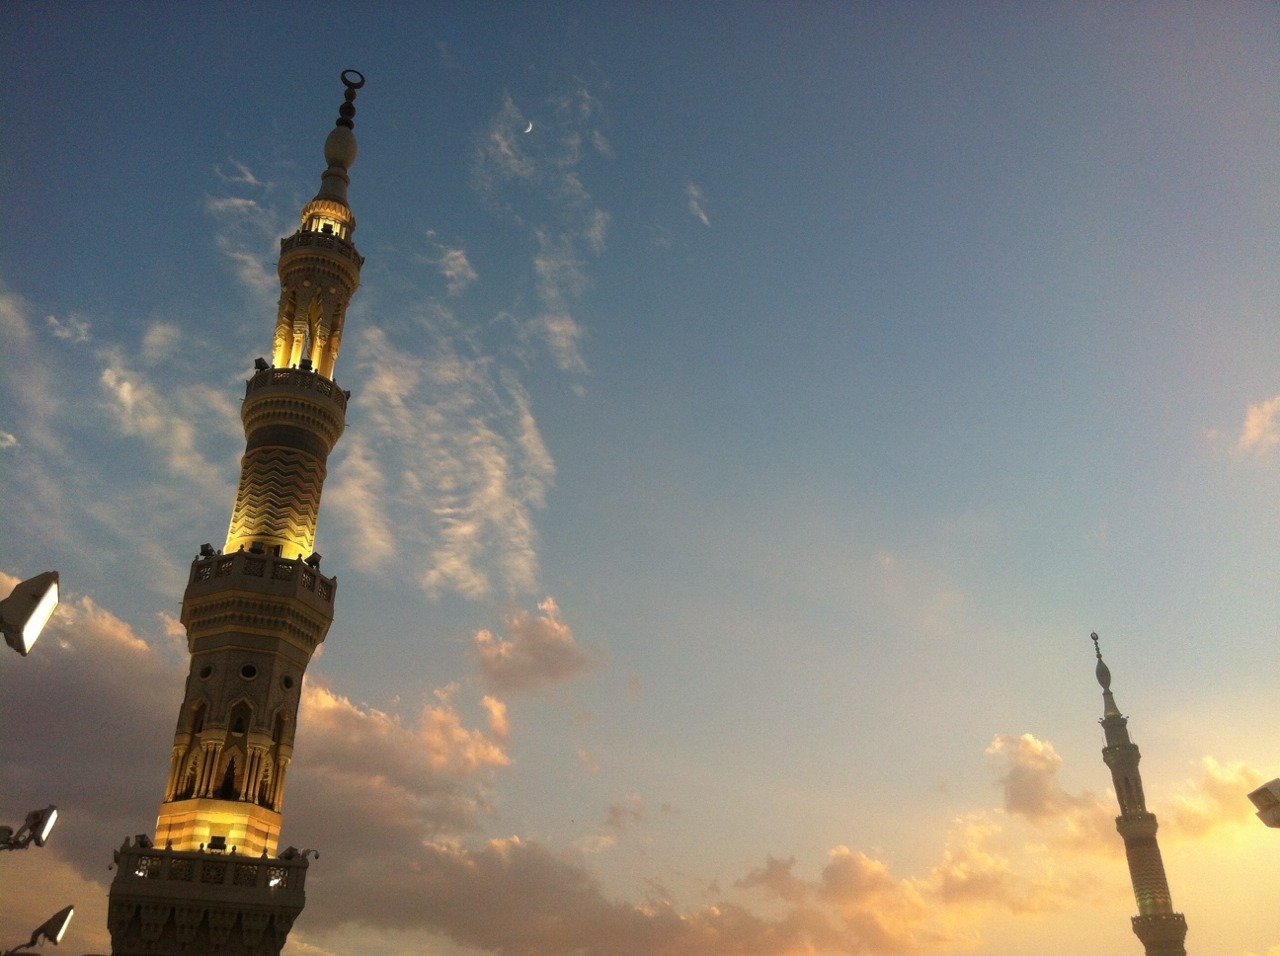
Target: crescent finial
{"type": "Point", "coordinates": [352, 80]}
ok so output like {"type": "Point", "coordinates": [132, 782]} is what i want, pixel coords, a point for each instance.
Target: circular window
{"type": "Point", "coordinates": [248, 672]}
{"type": "Point", "coordinates": [206, 672]}
{"type": "Point", "coordinates": [286, 682]}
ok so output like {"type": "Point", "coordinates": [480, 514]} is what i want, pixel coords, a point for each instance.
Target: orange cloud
{"type": "Point", "coordinates": [395, 804]}
{"type": "Point", "coordinates": [1260, 430]}
{"type": "Point", "coordinates": [1218, 798]}
{"type": "Point", "coordinates": [539, 652]}
{"type": "Point", "coordinates": [1031, 790]}
{"type": "Point", "coordinates": [369, 742]}
{"type": "Point", "coordinates": [777, 879]}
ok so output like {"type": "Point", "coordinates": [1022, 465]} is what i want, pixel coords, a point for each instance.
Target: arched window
{"type": "Point", "coordinates": [264, 788]}
{"type": "Point", "coordinates": [197, 717]}
{"type": "Point", "coordinates": [241, 717]}
{"type": "Point", "coordinates": [228, 789]}
{"type": "Point", "coordinates": [188, 787]}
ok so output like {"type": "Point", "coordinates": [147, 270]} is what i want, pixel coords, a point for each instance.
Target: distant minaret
{"type": "Point", "coordinates": [1161, 930]}
{"type": "Point", "coordinates": [255, 611]}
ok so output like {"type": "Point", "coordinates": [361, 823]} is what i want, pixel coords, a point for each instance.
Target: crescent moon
{"type": "Point", "coordinates": [529, 129]}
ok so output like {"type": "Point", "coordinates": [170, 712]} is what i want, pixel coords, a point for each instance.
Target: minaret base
{"type": "Point", "coordinates": [173, 903]}
{"type": "Point", "coordinates": [1162, 934]}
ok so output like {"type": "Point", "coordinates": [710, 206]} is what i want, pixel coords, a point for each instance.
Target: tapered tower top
{"type": "Point", "coordinates": [329, 212]}
{"type": "Point", "coordinates": [319, 264]}
{"type": "Point", "coordinates": [1103, 674]}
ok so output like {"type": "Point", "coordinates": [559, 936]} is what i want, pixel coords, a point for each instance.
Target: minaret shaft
{"type": "Point", "coordinates": [254, 612]}
{"type": "Point", "coordinates": [1161, 930]}
{"type": "Point", "coordinates": [292, 419]}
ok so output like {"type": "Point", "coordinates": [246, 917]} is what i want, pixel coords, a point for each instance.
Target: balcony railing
{"type": "Point", "coordinates": [316, 240]}
{"type": "Point", "coordinates": [264, 566]}
{"type": "Point", "coordinates": [148, 871]}
{"type": "Point", "coordinates": [297, 378]}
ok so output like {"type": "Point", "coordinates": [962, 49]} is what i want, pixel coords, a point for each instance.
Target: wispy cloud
{"type": "Point", "coordinates": [14, 325]}
{"type": "Point", "coordinates": [66, 403]}
{"type": "Point", "coordinates": [161, 342]}
{"type": "Point", "coordinates": [70, 329]}
{"type": "Point", "coordinates": [697, 203]}
{"type": "Point", "coordinates": [504, 153]}
{"type": "Point", "coordinates": [451, 262]}
{"type": "Point", "coordinates": [449, 465]}
{"type": "Point", "coordinates": [248, 231]}
{"type": "Point", "coordinates": [357, 492]}
{"type": "Point", "coordinates": [561, 281]}
{"type": "Point", "coordinates": [174, 423]}
{"type": "Point", "coordinates": [233, 206]}
{"type": "Point", "coordinates": [455, 267]}
{"type": "Point", "coordinates": [445, 465]}
{"type": "Point", "coordinates": [539, 180]}
{"type": "Point", "coordinates": [241, 174]}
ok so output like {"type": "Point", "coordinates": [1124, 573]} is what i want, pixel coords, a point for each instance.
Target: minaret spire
{"type": "Point", "coordinates": [340, 147]}
{"type": "Point", "coordinates": [319, 265]}
{"type": "Point", "coordinates": [1161, 930]}
{"type": "Point", "coordinates": [254, 612]}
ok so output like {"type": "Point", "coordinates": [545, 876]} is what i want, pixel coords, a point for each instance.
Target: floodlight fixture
{"type": "Point", "coordinates": [261, 364]}
{"type": "Point", "coordinates": [1267, 799]}
{"type": "Point", "coordinates": [35, 829]}
{"type": "Point", "coordinates": [25, 612]}
{"type": "Point", "coordinates": [52, 929]}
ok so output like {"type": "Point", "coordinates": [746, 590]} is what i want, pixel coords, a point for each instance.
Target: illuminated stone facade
{"type": "Point", "coordinates": [1161, 930]}
{"type": "Point", "coordinates": [255, 611]}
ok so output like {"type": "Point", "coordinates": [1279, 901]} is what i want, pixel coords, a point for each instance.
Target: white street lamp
{"type": "Point", "coordinates": [52, 929]}
{"type": "Point", "coordinates": [24, 613]}
{"type": "Point", "coordinates": [35, 829]}
{"type": "Point", "coordinates": [1267, 799]}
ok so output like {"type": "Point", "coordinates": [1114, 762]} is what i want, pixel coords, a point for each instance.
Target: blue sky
{"type": "Point", "coordinates": [737, 464]}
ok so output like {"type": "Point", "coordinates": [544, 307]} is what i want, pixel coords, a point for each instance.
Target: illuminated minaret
{"type": "Point", "coordinates": [1161, 930]}
{"type": "Point", "coordinates": [254, 611]}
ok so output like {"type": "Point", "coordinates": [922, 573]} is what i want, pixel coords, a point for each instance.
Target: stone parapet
{"type": "Point", "coordinates": [172, 903]}
{"type": "Point", "coordinates": [300, 386]}
{"type": "Point", "coordinates": [302, 241]}
{"type": "Point", "coordinates": [258, 594]}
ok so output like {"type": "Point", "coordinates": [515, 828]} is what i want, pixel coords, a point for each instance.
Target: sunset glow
{"type": "Point", "coordinates": [752, 410]}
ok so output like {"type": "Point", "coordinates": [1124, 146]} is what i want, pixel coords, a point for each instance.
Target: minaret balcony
{"type": "Point", "coordinates": [303, 241]}
{"type": "Point", "coordinates": [296, 379]}
{"type": "Point", "coordinates": [258, 593]}
{"type": "Point", "coordinates": [1138, 825]}
{"type": "Point", "coordinates": [292, 399]}
{"type": "Point", "coordinates": [196, 901]}
{"type": "Point", "coordinates": [1162, 933]}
